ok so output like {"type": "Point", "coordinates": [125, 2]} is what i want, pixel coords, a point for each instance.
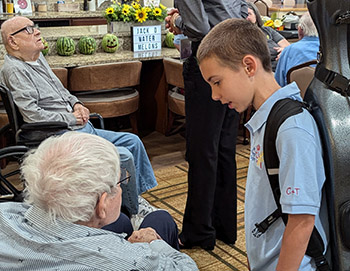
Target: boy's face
{"type": "Point", "coordinates": [228, 86]}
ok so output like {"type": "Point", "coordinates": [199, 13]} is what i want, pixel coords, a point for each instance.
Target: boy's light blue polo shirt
{"type": "Point", "coordinates": [301, 179]}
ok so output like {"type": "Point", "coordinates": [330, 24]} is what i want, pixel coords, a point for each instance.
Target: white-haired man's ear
{"type": "Point", "coordinates": [300, 33]}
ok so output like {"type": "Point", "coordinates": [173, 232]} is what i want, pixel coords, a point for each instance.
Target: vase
{"type": "Point", "coordinates": [119, 27]}
{"type": "Point", "coordinates": [124, 28]}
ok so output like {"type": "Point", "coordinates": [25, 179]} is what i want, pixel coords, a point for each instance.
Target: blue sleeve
{"type": "Point", "coordinates": [281, 68]}
{"type": "Point", "coordinates": [301, 173]}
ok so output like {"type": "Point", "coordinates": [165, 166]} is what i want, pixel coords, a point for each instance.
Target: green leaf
{"type": "Point", "coordinates": [274, 16]}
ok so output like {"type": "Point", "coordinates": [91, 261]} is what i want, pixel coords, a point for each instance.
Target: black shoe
{"type": "Point", "coordinates": [187, 245]}
{"type": "Point", "coordinates": [225, 239]}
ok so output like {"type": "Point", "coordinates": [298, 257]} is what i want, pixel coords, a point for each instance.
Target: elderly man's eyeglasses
{"type": "Point", "coordinates": [28, 28]}
{"type": "Point", "coordinates": [125, 177]}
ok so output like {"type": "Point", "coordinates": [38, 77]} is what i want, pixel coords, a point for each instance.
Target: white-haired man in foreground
{"type": "Point", "coordinates": [72, 191]}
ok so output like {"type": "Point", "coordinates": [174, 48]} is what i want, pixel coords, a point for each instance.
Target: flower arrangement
{"type": "Point", "coordinates": [134, 12]}
{"type": "Point", "coordinates": [275, 23]}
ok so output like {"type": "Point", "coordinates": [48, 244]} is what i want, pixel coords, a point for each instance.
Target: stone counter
{"type": "Point", "coordinates": [59, 15]}
{"type": "Point", "coordinates": [51, 34]}
{"type": "Point", "coordinates": [101, 57]}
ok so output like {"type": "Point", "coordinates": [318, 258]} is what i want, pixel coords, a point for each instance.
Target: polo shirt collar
{"type": "Point", "coordinates": [259, 118]}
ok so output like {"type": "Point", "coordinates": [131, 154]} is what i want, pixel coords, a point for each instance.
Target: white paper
{"type": "Point", "coordinates": [22, 6]}
{"type": "Point", "coordinates": [154, 3]}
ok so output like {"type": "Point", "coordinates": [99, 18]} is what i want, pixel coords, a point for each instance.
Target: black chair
{"type": "Point", "coordinates": [8, 191]}
{"type": "Point", "coordinates": [30, 134]}
{"type": "Point", "coordinates": [24, 136]}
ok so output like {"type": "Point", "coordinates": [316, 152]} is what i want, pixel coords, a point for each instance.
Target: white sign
{"type": "Point", "coordinates": [147, 54]}
{"type": "Point", "coordinates": [150, 3]}
{"type": "Point", "coordinates": [146, 38]}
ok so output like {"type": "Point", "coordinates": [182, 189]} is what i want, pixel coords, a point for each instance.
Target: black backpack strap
{"type": "Point", "coordinates": [282, 110]}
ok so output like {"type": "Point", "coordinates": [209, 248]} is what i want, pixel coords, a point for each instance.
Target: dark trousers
{"type": "Point", "coordinates": [160, 221]}
{"type": "Point", "coordinates": [211, 131]}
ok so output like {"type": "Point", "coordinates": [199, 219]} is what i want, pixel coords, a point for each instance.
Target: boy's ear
{"type": "Point", "coordinates": [249, 64]}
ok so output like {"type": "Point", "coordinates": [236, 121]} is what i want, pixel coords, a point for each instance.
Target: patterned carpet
{"type": "Point", "coordinates": [170, 194]}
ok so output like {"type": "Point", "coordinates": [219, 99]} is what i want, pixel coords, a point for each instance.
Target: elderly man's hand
{"type": "Point", "coordinates": [146, 235]}
{"type": "Point", "coordinates": [81, 113]}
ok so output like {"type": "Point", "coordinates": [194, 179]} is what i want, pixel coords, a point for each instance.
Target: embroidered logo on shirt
{"type": "Point", "coordinates": [290, 191]}
{"type": "Point", "coordinates": [257, 156]}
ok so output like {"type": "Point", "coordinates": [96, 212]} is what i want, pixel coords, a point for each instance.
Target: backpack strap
{"type": "Point", "coordinates": [282, 110]}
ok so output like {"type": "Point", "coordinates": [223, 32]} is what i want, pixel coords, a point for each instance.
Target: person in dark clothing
{"type": "Point", "coordinates": [275, 41]}
{"type": "Point", "coordinates": [211, 131]}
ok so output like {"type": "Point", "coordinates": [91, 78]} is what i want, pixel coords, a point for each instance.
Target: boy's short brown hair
{"type": "Point", "coordinates": [233, 39]}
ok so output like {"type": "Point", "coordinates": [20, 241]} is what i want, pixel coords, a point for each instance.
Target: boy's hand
{"type": "Point", "coordinates": [295, 240]}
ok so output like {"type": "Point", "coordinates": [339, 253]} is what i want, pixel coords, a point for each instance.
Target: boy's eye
{"type": "Point", "coordinates": [217, 83]}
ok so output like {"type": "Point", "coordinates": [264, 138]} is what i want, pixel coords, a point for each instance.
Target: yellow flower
{"type": "Point", "coordinates": [135, 5]}
{"type": "Point", "coordinates": [109, 10]}
{"type": "Point", "coordinates": [148, 9]}
{"type": "Point", "coordinates": [162, 6]}
{"type": "Point", "coordinates": [268, 23]}
{"type": "Point", "coordinates": [157, 12]}
{"type": "Point", "coordinates": [125, 10]}
{"type": "Point", "coordinates": [141, 15]}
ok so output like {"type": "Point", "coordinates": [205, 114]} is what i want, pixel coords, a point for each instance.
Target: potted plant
{"type": "Point", "coordinates": [120, 17]}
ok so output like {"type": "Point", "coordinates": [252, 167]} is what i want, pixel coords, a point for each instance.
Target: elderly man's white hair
{"type": "Point", "coordinates": [67, 174]}
{"type": "Point", "coordinates": [307, 25]}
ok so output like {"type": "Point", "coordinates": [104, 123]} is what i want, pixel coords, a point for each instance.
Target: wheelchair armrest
{"type": "Point", "coordinates": [13, 151]}
{"type": "Point", "coordinates": [45, 125]}
{"type": "Point", "coordinates": [31, 134]}
{"type": "Point", "coordinates": [100, 118]}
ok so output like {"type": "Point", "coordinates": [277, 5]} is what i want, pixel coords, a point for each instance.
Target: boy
{"type": "Point", "coordinates": [234, 59]}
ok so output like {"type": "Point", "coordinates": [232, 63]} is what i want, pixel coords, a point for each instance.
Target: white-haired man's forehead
{"type": "Point", "coordinates": [15, 22]}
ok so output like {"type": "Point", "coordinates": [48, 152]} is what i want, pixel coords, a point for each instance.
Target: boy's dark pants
{"type": "Point", "coordinates": [211, 131]}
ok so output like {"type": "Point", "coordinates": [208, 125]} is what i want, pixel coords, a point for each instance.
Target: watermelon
{"type": "Point", "coordinates": [65, 46]}
{"type": "Point", "coordinates": [169, 40]}
{"type": "Point", "coordinates": [87, 45]}
{"type": "Point", "coordinates": [110, 43]}
{"type": "Point", "coordinates": [45, 51]}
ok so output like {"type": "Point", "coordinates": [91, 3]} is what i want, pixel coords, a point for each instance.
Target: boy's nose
{"type": "Point", "coordinates": [215, 96]}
